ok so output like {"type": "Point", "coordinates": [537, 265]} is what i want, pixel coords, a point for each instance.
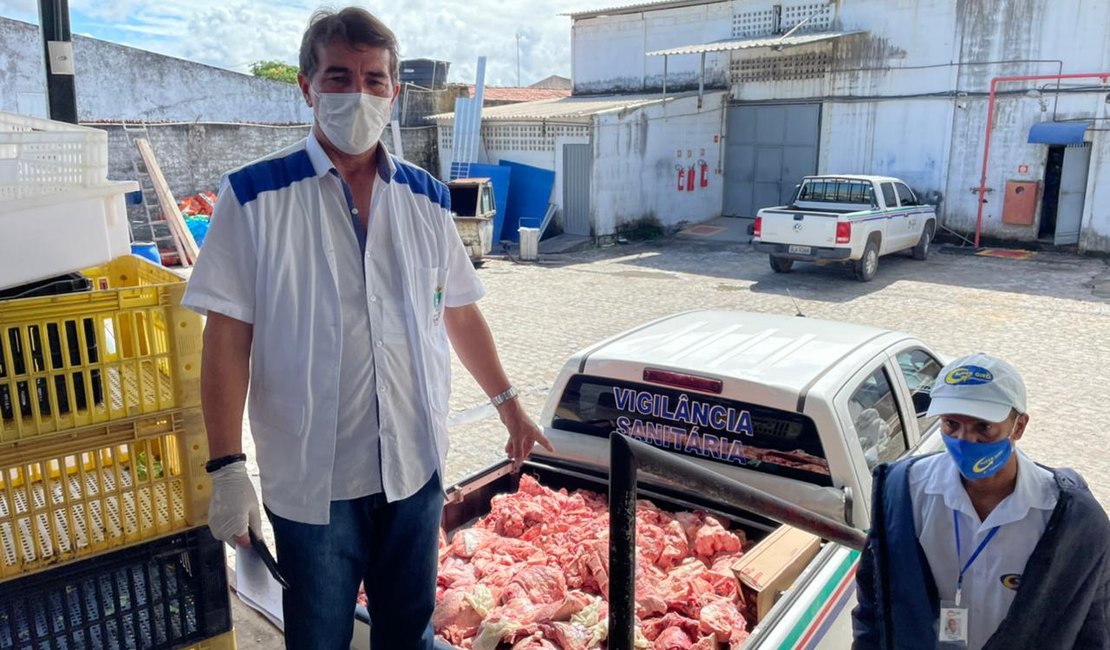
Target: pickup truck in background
{"type": "Point", "coordinates": [798, 408]}
{"type": "Point", "coordinates": [849, 219]}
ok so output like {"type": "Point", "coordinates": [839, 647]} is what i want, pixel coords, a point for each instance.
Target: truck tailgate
{"type": "Point", "coordinates": [796, 227]}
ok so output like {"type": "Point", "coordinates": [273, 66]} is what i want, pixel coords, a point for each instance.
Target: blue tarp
{"type": "Point", "coordinates": [501, 178]}
{"type": "Point", "coordinates": [529, 195]}
{"type": "Point", "coordinates": [1058, 132]}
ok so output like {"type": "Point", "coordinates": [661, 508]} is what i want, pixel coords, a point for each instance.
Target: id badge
{"type": "Point", "coordinates": [952, 631]}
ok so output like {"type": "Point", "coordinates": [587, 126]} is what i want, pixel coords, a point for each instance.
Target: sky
{"type": "Point", "coordinates": [234, 33]}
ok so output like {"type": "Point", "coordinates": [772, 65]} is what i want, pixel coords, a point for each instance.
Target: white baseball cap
{"type": "Point", "coordinates": [978, 386]}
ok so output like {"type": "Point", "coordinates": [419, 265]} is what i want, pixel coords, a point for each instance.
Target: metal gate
{"type": "Point", "coordinates": [768, 149]}
{"type": "Point", "coordinates": [577, 168]}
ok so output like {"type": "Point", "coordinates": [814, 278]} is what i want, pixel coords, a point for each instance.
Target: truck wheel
{"type": "Point", "coordinates": [781, 264]}
{"type": "Point", "coordinates": [867, 266]}
{"type": "Point", "coordinates": [921, 250]}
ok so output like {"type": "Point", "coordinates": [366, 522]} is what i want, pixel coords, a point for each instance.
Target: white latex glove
{"type": "Point", "coordinates": [234, 505]}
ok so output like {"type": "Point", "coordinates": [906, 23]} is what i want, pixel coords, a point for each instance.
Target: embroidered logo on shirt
{"type": "Point", "coordinates": [1011, 581]}
{"type": "Point", "coordinates": [969, 376]}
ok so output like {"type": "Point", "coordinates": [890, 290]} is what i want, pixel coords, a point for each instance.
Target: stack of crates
{"type": "Point", "coordinates": [58, 211]}
{"type": "Point", "coordinates": [103, 494]}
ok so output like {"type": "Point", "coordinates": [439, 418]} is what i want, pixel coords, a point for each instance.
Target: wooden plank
{"type": "Point", "coordinates": [187, 248]}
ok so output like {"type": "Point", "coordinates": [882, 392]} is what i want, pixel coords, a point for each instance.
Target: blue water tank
{"type": "Point", "coordinates": [426, 73]}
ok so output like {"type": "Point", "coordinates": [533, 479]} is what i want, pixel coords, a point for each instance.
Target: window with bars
{"type": "Point", "coordinates": [780, 18]}
{"type": "Point", "coordinates": [519, 137]}
{"type": "Point", "coordinates": [780, 68]}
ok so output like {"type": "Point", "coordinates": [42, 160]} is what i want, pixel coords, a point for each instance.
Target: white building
{"type": "Point", "coordinates": [894, 87]}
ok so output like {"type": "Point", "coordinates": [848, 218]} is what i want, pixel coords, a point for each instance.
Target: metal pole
{"type": "Point", "coordinates": [622, 543]}
{"type": "Point", "coordinates": [518, 59]}
{"type": "Point", "coordinates": [57, 43]}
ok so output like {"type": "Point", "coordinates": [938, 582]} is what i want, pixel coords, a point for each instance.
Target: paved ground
{"type": "Point", "coordinates": [1043, 314]}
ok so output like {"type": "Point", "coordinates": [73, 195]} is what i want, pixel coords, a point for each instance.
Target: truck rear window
{"type": "Point", "coordinates": [836, 191]}
{"type": "Point", "coordinates": [702, 426]}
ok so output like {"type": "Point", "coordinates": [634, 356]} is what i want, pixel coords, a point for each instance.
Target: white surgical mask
{"type": "Point", "coordinates": [353, 122]}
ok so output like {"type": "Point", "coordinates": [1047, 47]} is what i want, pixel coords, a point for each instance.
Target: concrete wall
{"type": "Point", "coordinates": [625, 40]}
{"type": "Point", "coordinates": [871, 138]}
{"type": "Point", "coordinates": [635, 160]}
{"type": "Point", "coordinates": [121, 83]}
{"type": "Point", "coordinates": [193, 157]}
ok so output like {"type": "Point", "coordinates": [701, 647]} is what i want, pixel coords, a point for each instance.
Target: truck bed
{"type": "Point", "coordinates": [470, 499]}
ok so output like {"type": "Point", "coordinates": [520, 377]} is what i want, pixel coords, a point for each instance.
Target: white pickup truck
{"type": "Point", "coordinates": [849, 219]}
{"type": "Point", "coordinates": [798, 408]}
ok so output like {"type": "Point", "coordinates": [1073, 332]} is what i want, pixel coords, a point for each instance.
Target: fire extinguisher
{"type": "Point", "coordinates": [704, 173]}
{"type": "Point", "coordinates": [681, 177]}
{"type": "Point", "coordinates": [690, 173]}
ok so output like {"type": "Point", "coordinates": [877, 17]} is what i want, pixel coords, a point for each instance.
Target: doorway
{"type": "Point", "coordinates": [1054, 166]}
{"type": "Point", "coordinates": [1065, 193]}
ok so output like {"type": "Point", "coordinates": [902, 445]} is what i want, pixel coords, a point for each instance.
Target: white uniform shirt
{"type": "Point", "coordinates": [991, 583]}
{"type": "Point", "coordinates": [272, 259]}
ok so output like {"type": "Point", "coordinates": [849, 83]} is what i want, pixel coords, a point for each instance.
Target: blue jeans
{"type": "Point", "coordinates": [391, 547]}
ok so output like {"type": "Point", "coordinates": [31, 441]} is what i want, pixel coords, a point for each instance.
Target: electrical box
{"type": "Point", "coordinates": [1019, 208]}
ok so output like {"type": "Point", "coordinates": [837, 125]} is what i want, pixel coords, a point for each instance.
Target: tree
{"type": "Point", "coordinates": [275, 71]}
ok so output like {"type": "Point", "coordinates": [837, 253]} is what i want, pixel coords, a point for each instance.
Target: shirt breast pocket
{"type": "Point", "coordinates": [430, 287]}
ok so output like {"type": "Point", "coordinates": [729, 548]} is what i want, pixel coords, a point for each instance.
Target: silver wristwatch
{"type": "Point", "coordinates": [501, 398]}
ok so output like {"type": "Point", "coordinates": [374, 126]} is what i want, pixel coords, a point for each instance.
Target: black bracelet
{"type": "Point", "coordinates": [223, 461]}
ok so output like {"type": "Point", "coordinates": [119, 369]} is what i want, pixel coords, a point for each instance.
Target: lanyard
{"type": "Point", "coordinates": [974, 556]}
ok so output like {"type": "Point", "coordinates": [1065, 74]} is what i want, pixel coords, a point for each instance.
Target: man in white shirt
{"type": "Point", "coordinates": [333, 279]}
{"type": "Point", "coordinates": [975, 548]}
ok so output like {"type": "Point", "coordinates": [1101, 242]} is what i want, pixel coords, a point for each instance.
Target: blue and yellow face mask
{"type": "Point", "coordinates": [979, 460]}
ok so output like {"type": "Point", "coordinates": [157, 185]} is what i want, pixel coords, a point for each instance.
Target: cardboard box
{"type": "Point", "coordinates": [773, 564]}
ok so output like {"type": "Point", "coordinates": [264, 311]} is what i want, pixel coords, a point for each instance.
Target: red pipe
{"type": "Point", "coordinates": [1103, 76]}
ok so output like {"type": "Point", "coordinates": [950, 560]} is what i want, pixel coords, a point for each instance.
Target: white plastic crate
{"type": "Point", "coordinates": [41, 157]}
{"type": "Point", "coordinates": [51, 235]}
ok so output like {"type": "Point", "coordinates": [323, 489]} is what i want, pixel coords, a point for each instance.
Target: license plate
{"type": "Point", "coordinates": [799, 250]}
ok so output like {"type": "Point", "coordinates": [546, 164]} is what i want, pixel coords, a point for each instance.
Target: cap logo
{"type": "Point", "coordinates": [968, 376]}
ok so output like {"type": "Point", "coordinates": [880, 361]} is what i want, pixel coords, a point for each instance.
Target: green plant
{"type": "Point", "coordinates": [275, 71]}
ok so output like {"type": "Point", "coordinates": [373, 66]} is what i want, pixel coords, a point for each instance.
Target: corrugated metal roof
{"type": "Point", "coordinates": [567, 109]}
{"type": "Point", "coordinates": [637, 8]}
{"type": "Point", "coordinates": [731, 45]}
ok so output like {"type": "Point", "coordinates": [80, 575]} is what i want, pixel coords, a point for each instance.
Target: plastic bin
{"type": "Point", "coordinates": [124, 483]}
{"type": "Point", "coordinates": [162, 595]}
{"type": "Point", "coordinates": [62, 232]}
{"type": "Point", "coordinates": [40, 157]}
{"type": "Point", "coordinates": [123, 350]}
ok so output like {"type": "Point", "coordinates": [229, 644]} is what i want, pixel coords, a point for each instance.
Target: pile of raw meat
{"type": "Point", "coordinates": [534, 575]}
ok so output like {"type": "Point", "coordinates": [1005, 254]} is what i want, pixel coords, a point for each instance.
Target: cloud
{"type": "Point", "coordinates": [234, 33]}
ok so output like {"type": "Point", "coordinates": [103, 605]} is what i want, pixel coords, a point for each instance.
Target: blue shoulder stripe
{"type": "Point", "coordinates": [269, 175]}
{"type": "Point", "coordinates": [421, 182]}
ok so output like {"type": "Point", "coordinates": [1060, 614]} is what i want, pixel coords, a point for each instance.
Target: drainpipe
{"type": "Point", "coordinates": [701, 81]}
{"type": "Point", "coordinates": [1103, 76]}
{"type": "Point", "coordinates": [664, 76]}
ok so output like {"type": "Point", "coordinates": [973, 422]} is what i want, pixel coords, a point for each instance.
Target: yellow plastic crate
{"type": "Point", "coordinates": [222, 642]}
{"type": "Point", "coordinates": [127, 482]}
{"type": "Point", "coordinates": [128, 348]}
